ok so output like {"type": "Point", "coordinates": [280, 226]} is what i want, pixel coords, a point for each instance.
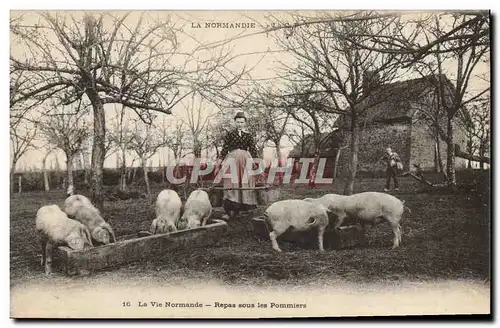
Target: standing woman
{"type": "Point", "coordinates": [239, 145]}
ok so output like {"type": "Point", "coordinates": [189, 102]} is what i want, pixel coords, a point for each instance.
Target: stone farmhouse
{"type": "Point", "coordinates": [398, 122]}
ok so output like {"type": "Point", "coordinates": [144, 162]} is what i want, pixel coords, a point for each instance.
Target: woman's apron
{"type": "Point", "coordinates": [247, 197]}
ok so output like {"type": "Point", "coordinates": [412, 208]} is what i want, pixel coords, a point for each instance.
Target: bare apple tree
{"type": "Point", "coordinates": [145, 142]}
{"type": "Point", "coordinates": [22, 130]}
{"type": "Point", "coordinates": [334, 74]}
{"type": "Point", "coordinates": [121, 134]}
{"type": "Point", "coordinates": [196, 121]}
{"type": "Point", "coordinates": [273, 118]}
{"type": "Point", "coordinates": [22, 136]}
{"type": "Point", "coordinates": [448, 46]}
{"type": "Point", "coordinates": [475, 119]}
{"type": "Point", "coordinates": [174, 132]}
{"type": "Point", "coordinates": [66, 128]}
{"type": "Point", "coordinates": [348, 42]}
{"type": "Point", "coordinates": [48, 150]}
{"type": "Point", "coordinates": [126, 58]}
{"type": "Point", "coordinates": [452, 64]}
{"type": "Point", "coordinates": [215, 134]}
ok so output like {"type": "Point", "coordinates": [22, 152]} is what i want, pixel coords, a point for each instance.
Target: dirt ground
{"type": "Point", "coordinates": [445, 238]}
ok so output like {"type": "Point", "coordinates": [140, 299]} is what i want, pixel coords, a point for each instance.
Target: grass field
{"type": "Point", "coordinates": [447, 236]}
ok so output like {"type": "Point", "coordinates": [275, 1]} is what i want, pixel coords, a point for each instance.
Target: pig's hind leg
{"type": "Point", "coordinates": [396, 229]}
{"type": "Point", "coordinates": [321, 232]}
{"type": "Point", "coordinates": [278, 230]}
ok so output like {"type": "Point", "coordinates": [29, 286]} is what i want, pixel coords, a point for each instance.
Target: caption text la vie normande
{"type": "Point", "coordinates": [221, 305]}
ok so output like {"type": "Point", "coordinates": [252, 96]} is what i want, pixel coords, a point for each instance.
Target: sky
{"type": "Point", "coordinates": [252, 46]}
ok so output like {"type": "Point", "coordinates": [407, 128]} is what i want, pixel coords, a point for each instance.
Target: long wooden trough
{"type": "Point", "coordinates": [134, 247]}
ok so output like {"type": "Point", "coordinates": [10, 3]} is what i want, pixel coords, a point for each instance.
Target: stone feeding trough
{"type": "Point", "coordinates": [349, 236]}
{"type": "Point", "coordinates": [134, 247]}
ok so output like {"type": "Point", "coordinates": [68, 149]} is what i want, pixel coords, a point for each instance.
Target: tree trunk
{"type": "Point", "coordinates": [436, 156]}
{"type": "Point", "coordinates": [70, 188]}
{"type": "Point", "coordinates": [197, 149]}
{"type": "Point", "coordinates": [260, 151]}
{"type": "Point", "coordinates": [146, 179]}
{"type": "Point", "coordinates": [82, 160]}
{"type": "Point", "coordinates": [98, 149]}
{"type": "Point", "coordinates": [133, 174]}
{"type": "Point", "coordinates": [45, 175]}
{"type": "Point", "coordinates": [20, 184]}
{"type": "Point", "coordinates": [314, 168]}
{"type": "Point", "coordinates": [440, 161]}
{"type": "Point", "coordinates": [469, 150]}
{"type": "Point", "coordinates": [85, 169]}
{"type": "Point", "coordinates": [353, 157]}
{"type": "Point", "coordinates": [117, 161]}
{"type": "Point", "coordinates": [278, 152]}
{"type": "Point", "coordinates": [123, 172]}
{"type": "Point", "coordinates": [278, 156]}
{"type": "Point", "coordinates": [450, 155]}
{"type": "Point", "coordinates": [217, 153]}
{"type": "Point", "coordinates": [57, 172]}
{"type": "Point", "coordinates": [46, 182]}
{"type": "Point", "coordinates": [481, 154]}
{"type": "Point", "coordinates": [12, 171]}
{"type": "Point", "coordinates": [336, 164]}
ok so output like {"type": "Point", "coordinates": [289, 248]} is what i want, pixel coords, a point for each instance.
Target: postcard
{"type": "Point", "coordinates": [249, 164]}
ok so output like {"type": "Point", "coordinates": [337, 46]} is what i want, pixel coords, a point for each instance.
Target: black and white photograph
{"type": "Point", "coordinates": [249, 164]}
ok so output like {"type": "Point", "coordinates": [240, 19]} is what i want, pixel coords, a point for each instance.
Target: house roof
{"type": "Point", "coordinates": [393, 101]}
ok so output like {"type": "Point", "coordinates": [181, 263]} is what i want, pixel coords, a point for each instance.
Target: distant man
{"type": "Point", "coordinates": [392, 159]}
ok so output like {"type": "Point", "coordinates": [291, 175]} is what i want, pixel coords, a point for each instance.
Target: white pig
{"type": "Point", "coordinates": [197, 210]}
{"type": "Point", "coordinates": [167, 209]}
{"type": "Point", "coordinates": [56, 229]}
{"type": "Point", "coordinates": [366, 207]}
{"type": "Point", "coordinates": [297, 214]}
{"type": "Point", "coordinates": [81, 209]}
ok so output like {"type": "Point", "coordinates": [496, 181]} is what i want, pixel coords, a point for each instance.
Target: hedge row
{"type": "Point", "coordinates": [33, 181]}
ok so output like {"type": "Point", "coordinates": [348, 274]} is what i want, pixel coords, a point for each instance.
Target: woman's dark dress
{"type": "Point", "coordinates": [238, 200]}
